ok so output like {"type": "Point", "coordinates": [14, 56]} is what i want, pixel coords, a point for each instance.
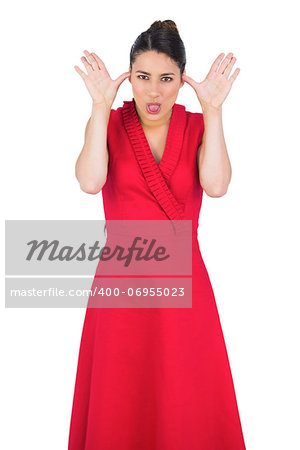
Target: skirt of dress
{"type": "Point", "coordinates": [156, 378]}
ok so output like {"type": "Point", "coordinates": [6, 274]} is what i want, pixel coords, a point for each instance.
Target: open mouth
{"type": "Point", "coordinates": [153, 107]}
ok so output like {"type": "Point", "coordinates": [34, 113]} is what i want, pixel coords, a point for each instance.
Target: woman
{"type": "Point", "coordinates": [156, 378]}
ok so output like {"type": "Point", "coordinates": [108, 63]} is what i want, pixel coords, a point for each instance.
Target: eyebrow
{"type": "Point", "coordinates": [147, 73]}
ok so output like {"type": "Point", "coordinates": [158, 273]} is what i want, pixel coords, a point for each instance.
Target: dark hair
{"type": "Point", "coordinates": [162, 37]}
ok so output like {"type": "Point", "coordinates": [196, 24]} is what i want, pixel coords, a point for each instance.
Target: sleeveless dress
{"type": "Point", "coordinates": [155, 378]}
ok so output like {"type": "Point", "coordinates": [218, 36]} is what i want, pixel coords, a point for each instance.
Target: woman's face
{"type": "Point", "coordinates": [155, 78]}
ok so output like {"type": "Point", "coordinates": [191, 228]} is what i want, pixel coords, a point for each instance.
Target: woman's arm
{"type": "Point", "coordinates": [212, 157]}
{"type": "Point", "coordinates": [91, 165]}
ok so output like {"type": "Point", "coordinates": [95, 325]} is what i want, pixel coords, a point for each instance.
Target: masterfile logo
{"type": "Point", "coordinates": [99, 264]}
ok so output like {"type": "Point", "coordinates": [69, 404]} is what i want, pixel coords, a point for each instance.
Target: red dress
{"type": "Point", "coordinates": [155, 378]}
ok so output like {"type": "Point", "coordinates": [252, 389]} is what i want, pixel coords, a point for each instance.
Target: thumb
{"type": "Point", "coordinates": [121, 78]}
{"type": "Point", "coordinates": [190, 81]}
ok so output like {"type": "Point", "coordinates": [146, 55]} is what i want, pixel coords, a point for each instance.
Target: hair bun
{"type": "Point", "coordinates": [165, 24]}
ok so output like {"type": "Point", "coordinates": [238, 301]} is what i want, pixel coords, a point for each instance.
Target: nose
{"type": "Point", "coordinates": [154, 90]}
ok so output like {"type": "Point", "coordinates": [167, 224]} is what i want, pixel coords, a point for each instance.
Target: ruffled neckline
{"type": "Point", "coordinates": [157, 175]}
{"type": "Point", "coordinates": [174, 140]}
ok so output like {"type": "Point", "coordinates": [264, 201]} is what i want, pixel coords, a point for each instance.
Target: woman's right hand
{"type": "Point", "coordinates": [98, 81]}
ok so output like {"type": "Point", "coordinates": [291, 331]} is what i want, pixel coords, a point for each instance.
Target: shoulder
{"type": "Point", "coordinates": [115, 121]}
{"type": "Point", "coordinates": [194, 119]}
{"type": "Point", "coordinates": [194, 124]}
{"type": "Point", "coordinates": [115, 114]}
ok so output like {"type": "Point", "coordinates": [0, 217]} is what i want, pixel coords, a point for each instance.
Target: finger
{"type": "Point", "coordinates": [121, 78]}
{"type": "Point", "coordinates": [216, 63]}
{"type": "Point", "coordinates": [234, 75]}
{"type": "Point", "coordinates": [91, 60]}
{"type": "Point", "coordinates": [87, 65]}
{"type": "Point", "coordinates": [81, 73]}
{"type": "Point", "coordinates": [189, 80]}
{"type": "Point", "coordinates": [229, 67]}
{"type": "Point", "coordinates": [225, 62]}
{"type": "Point", "coordinates": [99, 61]}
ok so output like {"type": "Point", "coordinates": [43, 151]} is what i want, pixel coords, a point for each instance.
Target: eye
{"type": "Point", "coordinates": [143, 77]}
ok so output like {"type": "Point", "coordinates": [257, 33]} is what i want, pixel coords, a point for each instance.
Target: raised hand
{"type": "Point", "coordinates": [213, 90]}
{"type": "Point", "coordinates": [98, 81]}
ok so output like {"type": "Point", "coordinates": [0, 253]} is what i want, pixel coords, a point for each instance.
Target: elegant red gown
{"type": "Point", "coordinates": [155, 378]}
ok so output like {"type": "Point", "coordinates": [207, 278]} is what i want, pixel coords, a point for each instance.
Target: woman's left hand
{"type": "Point", "coordinates": [212, 91]}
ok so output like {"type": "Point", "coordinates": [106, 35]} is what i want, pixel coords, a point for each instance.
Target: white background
{"type": "Point", "coordinates": [249, 238]}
